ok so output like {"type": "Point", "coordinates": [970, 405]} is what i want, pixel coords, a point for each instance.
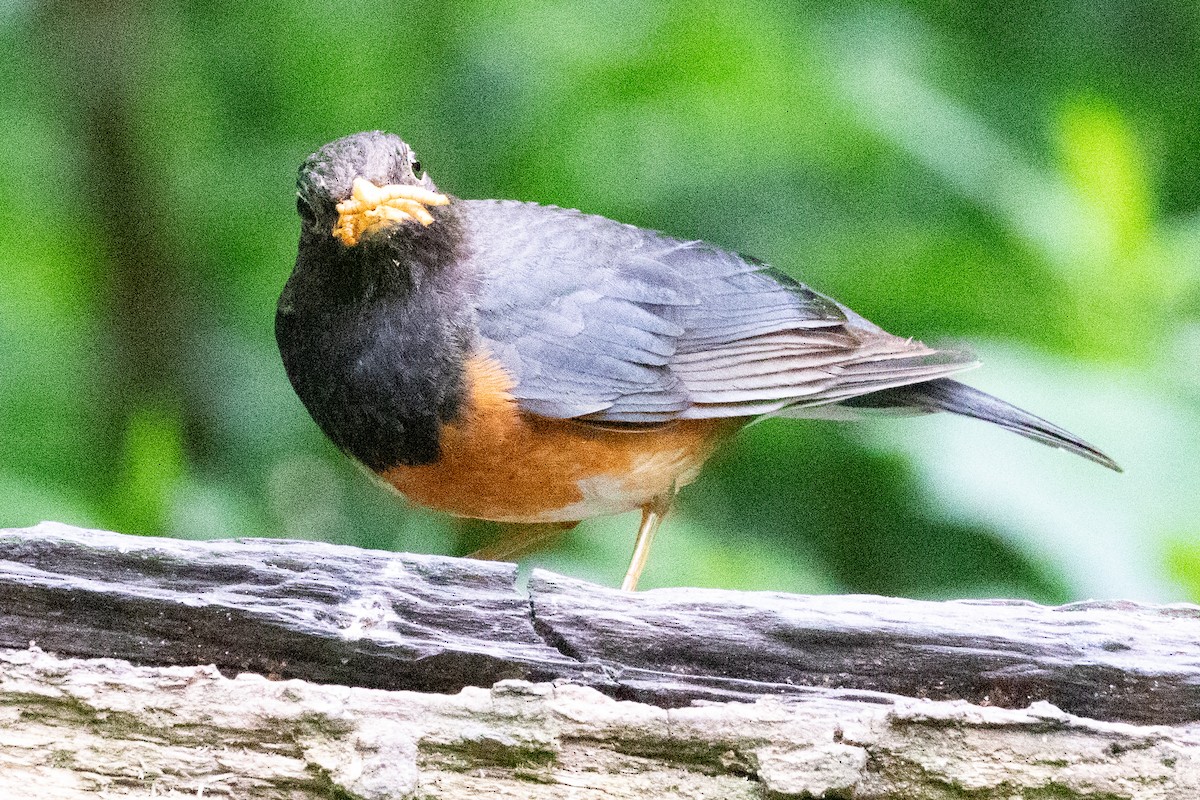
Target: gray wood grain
{"type": "Point", "coordinates": [341, 615]}
{"type": "Point", "coordinates": [294, 609]}
{"type": "Point", "coordinates": [1103, 660]}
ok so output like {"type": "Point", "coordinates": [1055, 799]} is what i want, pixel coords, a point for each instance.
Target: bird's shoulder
{"type": "Point", "coordinates": [547, 250]}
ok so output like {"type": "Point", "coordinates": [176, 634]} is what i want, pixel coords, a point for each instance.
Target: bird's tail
{"type": "Point", "coordinates": [945, 394]}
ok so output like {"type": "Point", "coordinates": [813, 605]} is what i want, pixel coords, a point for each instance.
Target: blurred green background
{"type": "Point", "coordinates": [1024, 177]}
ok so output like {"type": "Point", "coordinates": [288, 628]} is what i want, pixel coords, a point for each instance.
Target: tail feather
{"type": "Point", "coordinates": [945, 394]}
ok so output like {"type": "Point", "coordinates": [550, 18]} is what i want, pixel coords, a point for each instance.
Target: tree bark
{"type": "Point", "coordinates": [342, 673]}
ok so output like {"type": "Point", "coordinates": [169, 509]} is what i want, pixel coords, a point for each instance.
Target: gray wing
{"type": "Point", "coordinates": [612, 323]}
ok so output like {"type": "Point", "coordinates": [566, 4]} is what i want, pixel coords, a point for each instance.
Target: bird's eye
{"type": "Point", "coordinates": [416, 167]}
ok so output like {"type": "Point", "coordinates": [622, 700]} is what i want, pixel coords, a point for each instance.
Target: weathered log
{"type": "Point", "coordinates": [490, 688]}
{"type": "Point", "coordinates": [333, 614]}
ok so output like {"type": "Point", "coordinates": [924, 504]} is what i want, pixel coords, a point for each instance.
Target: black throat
{"type": "Point", "coordinates": [374, 338]}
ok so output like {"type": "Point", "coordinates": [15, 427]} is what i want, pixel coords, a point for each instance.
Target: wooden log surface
{"type": "Point", "coordinates": [343, 673]}
{"type": "Point", "coordinates": [333, 614]}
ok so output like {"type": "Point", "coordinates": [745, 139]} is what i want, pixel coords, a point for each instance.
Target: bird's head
{"type": "Point", "coordinates": [362, 184]}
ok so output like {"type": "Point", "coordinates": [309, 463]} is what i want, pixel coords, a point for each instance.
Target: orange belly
{"type": "Point", "coordinates": [499, 463]}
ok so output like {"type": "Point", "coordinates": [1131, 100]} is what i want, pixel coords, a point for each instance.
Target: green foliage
{"type": "Point", "coordinates": [1021, 177]}
{"type": "Point", "coordinates": [153, 466]}
{"type": "Point", "coordinates": [1183, 563]}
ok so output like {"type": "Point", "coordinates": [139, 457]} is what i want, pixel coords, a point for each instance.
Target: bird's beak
{"type": "Point", "coordinates": [370, 206]}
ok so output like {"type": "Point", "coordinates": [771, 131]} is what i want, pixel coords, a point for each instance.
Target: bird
{"type": "Point", "coordinates": [523, 363]}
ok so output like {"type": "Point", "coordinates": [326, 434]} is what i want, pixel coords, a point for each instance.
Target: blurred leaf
{"type": "Point", "coordinates": [153, 466]}
{"type": "Point", "coordinates": [1125, 291]}
{"type": "Point", "coordinates": [1183, 564]}
{"type": "Point", "coordinates": [1105, 165]}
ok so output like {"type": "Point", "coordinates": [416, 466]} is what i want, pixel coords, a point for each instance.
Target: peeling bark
{"type": "Point", "coordinates": [73, 728]}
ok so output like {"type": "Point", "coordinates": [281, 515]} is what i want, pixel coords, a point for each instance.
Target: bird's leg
{"type": "Point", "coordinates": [520, 540]}
{"type": "Point", "coordinates": [652, 516]}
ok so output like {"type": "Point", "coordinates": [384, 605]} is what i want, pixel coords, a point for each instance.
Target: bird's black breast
{"type": "Point", "coordinates": [374, 340]}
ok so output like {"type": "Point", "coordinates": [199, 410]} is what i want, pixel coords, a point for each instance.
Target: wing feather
{"type": "Point", "coordinates": [613, 324]}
